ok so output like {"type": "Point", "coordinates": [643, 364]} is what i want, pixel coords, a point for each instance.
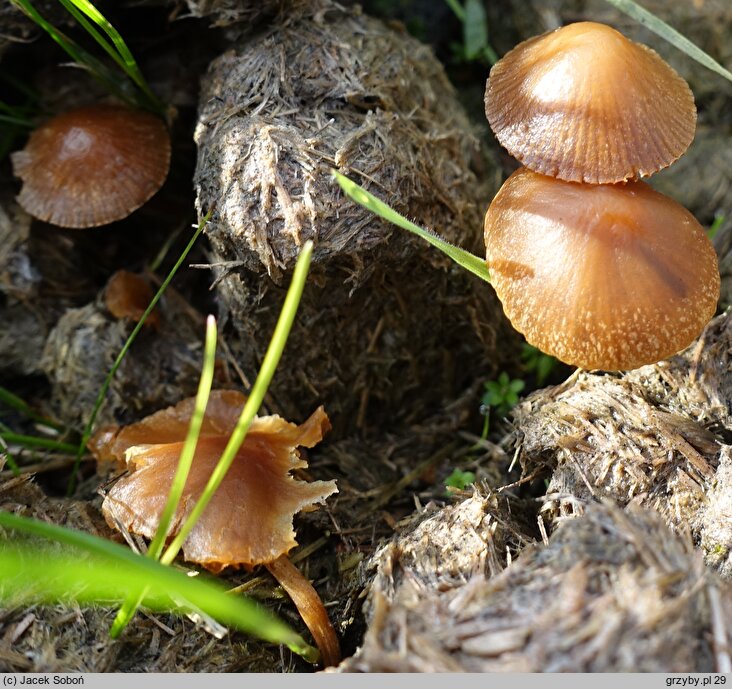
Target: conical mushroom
{"type": "Point", "coordinates": [92, 165]}
{"type": "Point", "coordinates": [249, 519]}
{"type": "Point", "coordinates": [601, 276]}
{"type": "Point", "coordinates": [585, 104]}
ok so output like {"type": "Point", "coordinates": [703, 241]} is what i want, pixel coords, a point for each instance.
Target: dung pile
{"type": "Point", "coordinates": [242, 12]}
{"type": "Point", "coordinates": [657, 436]}
{"type": "Point", "coordinates": [162, 366]}
{"type": "Point", "coordinates": [40, 276]}
{"type": "Point", "coordinates": [612, 591]}
{"type": "Point", "coordinates": [387, 329]}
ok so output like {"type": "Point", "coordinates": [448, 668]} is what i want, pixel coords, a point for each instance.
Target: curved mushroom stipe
{"type": "Point", "coordinates": [311, 608]}
{"type": "Point", "coordinates": [249, 520]}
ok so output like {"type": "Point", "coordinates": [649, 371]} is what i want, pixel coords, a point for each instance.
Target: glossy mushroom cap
{"type": "Point", "coordinates": [249, 519]}
{"type": "Point", "coordinates": [93, 165]}
{"type": "Point", "coordinates": [585, 104]}
{"type": "Point", "coordinates": [601, 276]}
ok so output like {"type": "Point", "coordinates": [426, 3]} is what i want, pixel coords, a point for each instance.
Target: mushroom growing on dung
{"type": "Point", "coordinates": [585, 104]}
{"type": "Point", "coordinates": [92, 165]}
{"type": "Point", "coordinates": [127, 295]}
{"type": "Point", "coordinates": [249, 519]}
{"type": "Point", "coordinates": [601, 276]}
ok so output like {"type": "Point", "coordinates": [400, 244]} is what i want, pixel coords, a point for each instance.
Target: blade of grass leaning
{"type": "Point", "coordinates": [181, 473]}
{"type": "Point", "coordinates": [117, 50]}
{"type": "Point", "coordinates": [32, 441]}
{"type": "Point", "coordinates": [115, 572]}
{"type": "Point", "coordinates": [254, 401]}
{"type": "Point", "coordinates": [20, 405]}
{"type": "Point", "coordinates": [9, 460]}
{"type": "Point", "coordinates": [79, 55]}
{"type": "Point", "coordinates": [470, 262]}
{"type": "Point", "coordinates": [668, 33]}
{"type": "Point", "coordinates": [125, 348]}
{"type": "Point", "coordinates": [475, 32]}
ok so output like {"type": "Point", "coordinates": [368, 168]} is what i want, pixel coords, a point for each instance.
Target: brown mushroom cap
{"type": "Point", "coordinates": [127, 295]}
{"type": "Point", "coordinates": [249, 518]}
{"type": "Point", "coordinates": [601, 276]}
{"type": "Point", "coordinates": [93, 165]}
{"type": "Point", "coordinates": [585, 104]}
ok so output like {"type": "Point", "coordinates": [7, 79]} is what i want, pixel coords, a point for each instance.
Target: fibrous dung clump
{"type": "Point", "coordinates": [612, 591]}
{"type": "Point", "coordinates": [654, 436]}
{"type": "Point", "coordinates": [386, 327]}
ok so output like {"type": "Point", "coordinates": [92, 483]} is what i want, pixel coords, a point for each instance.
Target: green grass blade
{"type": "Point", "coordinates": [470, 262]}
{"type": "Point", "coordinates": [643, 16]}
{"type": "Point", "coordinates": [181, 474]}
{"type": "Point", "coordinates": [117, 50]}
{"type": "Point", "coordinates": [118, 361]}
{"type": "Point", "coordinates": [254, 401]}
{"type": "Point", "coordinates": [19, 121]}
{"type": "Point", "coordinates": [105, 45]}
{"type": "Point", "coordinates": [33, 441]}
{"type": "Point", "coordinates": [111, 572]}
{"type": "Point", "coordinates": [9, 461]}
{"type": "Point", "coordinates": [20, 405]}
{"type": "Point", "coordinates": [189, 446]}
{"type": "Point", "coordinates": [82, 57]}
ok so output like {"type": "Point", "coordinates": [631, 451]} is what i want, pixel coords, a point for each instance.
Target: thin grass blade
{"type": "Point", "coordinates": [470, 262]}
{"type": "Point", "coordinates": [254, 401]}
{"type": "Point", "coordinates": [117, 50]}
{"type": "Point", "coordinates": [668, 33]}
{"type": "Point", "coordinates": [79, 55]}
{"type": "Point", "coordinates": [125, 348]}
{"type": "Point", "coordinates": [181, 475]}
{"type": "Point", "coordinates": [82, 57]}
{"type": "Point", "coordinates": [32, 441]}
{"type": "Point", "coordinates": [20, 405]}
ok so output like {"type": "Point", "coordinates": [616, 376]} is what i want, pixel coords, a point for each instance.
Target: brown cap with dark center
{"type": "Point", "coordinates": [601, 276]}
{"type": "Point", "coordinates": [93, 165]}
{"type": "Point", "coordinates": [585, 104]}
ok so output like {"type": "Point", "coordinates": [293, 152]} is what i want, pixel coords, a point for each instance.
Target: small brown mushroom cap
{"type": "Point", "coordinates": [127, 295]}
{"type": "Point", "coordinates": [93, 165]}
{"type": "Point", "coordinates": [249, 518]}
{"type": "Point", "coordinates": [585, 104]}
{"type": "Point", "coordinates": [601, 276]}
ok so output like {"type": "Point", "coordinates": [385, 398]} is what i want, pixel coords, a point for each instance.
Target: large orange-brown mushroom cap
{"type": "Point", "coordinates": [601, 276]}
{"type": "Point", "coordinates": [585, 104]}
{"type": "Point", "coordinates": [93, 165]}
{"type": "Point", "coordinates": [249, 519]}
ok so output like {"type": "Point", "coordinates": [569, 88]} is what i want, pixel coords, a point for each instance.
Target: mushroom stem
{"type": "Point", "coordinates": [310, 607]}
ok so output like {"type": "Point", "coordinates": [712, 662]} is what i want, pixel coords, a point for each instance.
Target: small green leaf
{"type": "Point", "coordinates": [459, 479]}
